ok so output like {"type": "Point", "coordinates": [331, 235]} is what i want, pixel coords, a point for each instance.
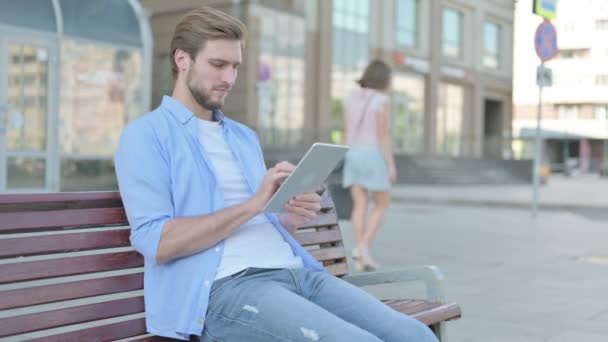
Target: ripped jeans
{"type": "Point", "coordinates": [302, 305]}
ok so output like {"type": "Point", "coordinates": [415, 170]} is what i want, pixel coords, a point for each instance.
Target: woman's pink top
{"type": "Point", "coordinates": [364, 133]}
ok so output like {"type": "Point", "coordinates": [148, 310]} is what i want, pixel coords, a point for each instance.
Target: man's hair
{"type": "Point", "coordinates": [377, 75]}
{"type": "Point", "coordinates": [201, 25]}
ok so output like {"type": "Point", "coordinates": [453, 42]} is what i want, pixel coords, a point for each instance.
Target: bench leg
{"type": "Point", "coordinates": [440, 331]}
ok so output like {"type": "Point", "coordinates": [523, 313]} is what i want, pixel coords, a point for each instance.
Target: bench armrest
{"type": "Point", "coordinates": [431, 275]}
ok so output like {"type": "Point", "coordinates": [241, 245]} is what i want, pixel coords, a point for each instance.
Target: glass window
{"type": "Point", "coordinates": [110, 21]}
{"type": "Point", "coordinates": [491, 44]}
{"type": "Point", "coordinates": [600, 112]}
{"type": "Point", "coordinates": [34, 14]}
{"type": "Point", "coordinates": [452, 22]}
{"type": "Point", "coordinates": [601, 24]}
{"type": "Point", "coordinates": [601, 79]}
{"type": "Point", "coordinates": [350, 53]}
{"type": "Point", "coordinates": [27, 97]}
{"type": "Point", "coordinates": [100, 94]}
{"type": "Point", "coordinates": [280, 84]}
{"type": "Point", "coordinates": [408, 112]}
{"type": "Point", "coordinates": [450, 111]}
{"type": "Point", "coordinates": [568, 112]}
{"type": "Point", "coordinates": [406, 23]}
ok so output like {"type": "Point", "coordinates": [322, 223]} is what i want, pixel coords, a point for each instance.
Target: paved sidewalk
{"type": "Point", "coordinates": [561, 193]}
{"type": "Point", "coordinates": [517, 279]}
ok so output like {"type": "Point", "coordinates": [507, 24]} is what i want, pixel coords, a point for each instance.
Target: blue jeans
{"type": "Point", "coordinates": [302, 305]}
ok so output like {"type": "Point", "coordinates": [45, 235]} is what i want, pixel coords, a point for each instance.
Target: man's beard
{"type": "Point", "coordinates": [201, 98]}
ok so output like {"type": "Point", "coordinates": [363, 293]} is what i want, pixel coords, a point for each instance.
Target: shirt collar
{"type": "Point", "coordinates": [183, 113]}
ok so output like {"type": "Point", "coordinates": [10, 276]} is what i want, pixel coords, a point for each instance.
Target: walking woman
{"type": "Point", "coordinates": [369, 168]}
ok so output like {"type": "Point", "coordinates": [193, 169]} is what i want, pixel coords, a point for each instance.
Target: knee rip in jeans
{"type": "Point", "coordinates": [310, 334]}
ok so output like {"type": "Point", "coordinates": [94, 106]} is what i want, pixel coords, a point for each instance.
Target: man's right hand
{"type": "Point", "coordinates": [272, 180]}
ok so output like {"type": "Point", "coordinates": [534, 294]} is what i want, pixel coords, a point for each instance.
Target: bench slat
{"type": "Point", "coordinates": [11, 299]}
{"type": "Point", "coordinates": [33, 270]}
{"type": "Point", "coordinates": [32, 245]}
{"type": "Point", "coordinates": [315, 238]}
{"type": "Point", "coordinates": [109, 332]}
{"type": "Point", "coordinates": [40, 220]}
{"type": "Point", "coordinates": [74, 315]}
{"type": "Point", "coordinates": [328, 253]}
{"type": "Point", "coordinates": [322, 220]}
{"type": "Point", "coordinates": [426, 312]}
{"type": "Point", "coordinates": [87, 196]}
{"type": "Point", "coordinates": [337, 269]}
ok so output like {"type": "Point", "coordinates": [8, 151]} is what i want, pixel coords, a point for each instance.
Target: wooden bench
{"type": "Point", "coordinates": [68, 273]}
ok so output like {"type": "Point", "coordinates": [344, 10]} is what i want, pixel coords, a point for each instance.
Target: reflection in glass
{"type": "Point", "coordinates": [100, 94]}
{"type": "Point", "coordinates": [89, 174]}
{"type": "Point", "coordinates": [450, 112]}
{"type": "Point", "coordinates": [27, 97]}
{"type": "Point", "coordinates": [408, 113]}
{"type": "Point", "coordinates": [452, 33]}
{"type": "Point", "coordinates": [25, 173]}
{"type": "Point", "coordinates": [280, 81]}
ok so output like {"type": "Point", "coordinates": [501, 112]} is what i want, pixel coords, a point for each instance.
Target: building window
{"type": "Point", "coordinates": [601, 79]}
{"type": "Point", "coordinates": [452, 27]}
{"type": "Point", "coordinates": [573, 53]}
{"type": "Point", "coordinates": [601, 25]}
{"type": "Point", "coordinates": [408, 112]}
{"type": "Point", "coordinates": [568, 112]}
{"type": "Point", "coordinates": [491, 44]}
{"type": "Point", "coordinates": [280, 81]}
{"type": "Point", "coordinates": [350, 54]}
{"type": "Point", "coordinates": [450, 112]}
{"type": "Point", "coordinates": [406, 23]}
{"type": "Point", "coordinates": [600, 112]}
{"type": "Point", "coordinates": [101, 92]}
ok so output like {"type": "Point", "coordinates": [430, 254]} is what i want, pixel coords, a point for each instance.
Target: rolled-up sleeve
{"type": "Point", "coordinates": [143, 176]}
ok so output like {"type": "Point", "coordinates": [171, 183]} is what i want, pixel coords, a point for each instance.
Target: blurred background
{"type": "Point", "coordinates": [74, 73]}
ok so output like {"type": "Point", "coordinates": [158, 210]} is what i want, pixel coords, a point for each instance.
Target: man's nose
{"type": "Point", "coordinates": [229, 76]}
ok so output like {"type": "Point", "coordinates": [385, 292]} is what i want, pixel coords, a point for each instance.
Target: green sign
{"type": "Point", "coordinates": [545, 8]}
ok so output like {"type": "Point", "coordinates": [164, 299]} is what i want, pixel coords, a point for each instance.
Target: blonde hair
{"type": "Point", "coordinates": [201, 25]}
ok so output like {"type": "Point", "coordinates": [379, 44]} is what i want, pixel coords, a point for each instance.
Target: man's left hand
{"type": "Point", "coordinates": [300, 209]}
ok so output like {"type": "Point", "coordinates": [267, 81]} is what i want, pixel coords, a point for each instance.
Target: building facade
{"type": "Point", "coordinates": [575, 108]}
{"type": "Point", "coordinates": [452, 62]}
{"type": "Point", "coordinates": [74, 73]}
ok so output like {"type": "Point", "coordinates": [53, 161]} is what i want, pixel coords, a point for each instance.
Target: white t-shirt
{"type": "Point", "coordinates": [257, 243]}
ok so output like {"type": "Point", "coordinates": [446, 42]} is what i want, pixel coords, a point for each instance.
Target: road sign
{"type": "Point", "coordinates": [545, 41]}
{"type": "Point", "coordinates": [544, 76]}
{"type": "Point", "coordinates": [545, 8]}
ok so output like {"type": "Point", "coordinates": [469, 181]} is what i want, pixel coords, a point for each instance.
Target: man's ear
{"type": "Point", "coordinates": [182, 60]}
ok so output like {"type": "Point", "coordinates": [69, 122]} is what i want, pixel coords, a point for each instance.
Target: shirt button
{"type": "Point", "coordinates": [207, 283]}
{"type": "Point", "coordinates": [217, 249]}
{"type": "Point", "coordinates": [201, 322]}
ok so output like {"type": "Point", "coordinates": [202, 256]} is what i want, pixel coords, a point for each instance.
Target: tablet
{"type": "Point", "coordinates": [310, 173]}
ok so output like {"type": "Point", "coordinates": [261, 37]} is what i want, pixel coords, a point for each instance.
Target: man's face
{"type": "Point", "coordinates": [213, 72]}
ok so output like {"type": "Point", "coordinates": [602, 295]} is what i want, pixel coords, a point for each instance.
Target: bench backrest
{"type": "Point", "coordinates": [67, 271]}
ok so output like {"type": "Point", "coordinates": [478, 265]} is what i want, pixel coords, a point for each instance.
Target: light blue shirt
{"type": "Point", "coordinates": [163, 172]}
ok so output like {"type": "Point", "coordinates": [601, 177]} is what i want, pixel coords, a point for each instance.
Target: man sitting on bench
{"type": "Point", "coordinates": [194, 183]}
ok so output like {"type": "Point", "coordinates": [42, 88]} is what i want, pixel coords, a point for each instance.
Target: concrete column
{"type": "Point", "coordinates": [432, 93]}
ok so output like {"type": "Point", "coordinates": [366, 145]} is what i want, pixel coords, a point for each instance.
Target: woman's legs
{"type": "Point", "coordinates": [359, 211]}
{"type": "Point", "coordinates": [381, 204]}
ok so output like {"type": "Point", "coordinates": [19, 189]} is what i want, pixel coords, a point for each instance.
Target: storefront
{"type": "Point", "coordinates": [72, 74]}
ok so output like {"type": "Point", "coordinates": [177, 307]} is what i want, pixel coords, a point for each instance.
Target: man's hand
{"type": "Point", "coordinates": [273, 179]}
{"type": "Point", "coordinates": [300, 210]}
